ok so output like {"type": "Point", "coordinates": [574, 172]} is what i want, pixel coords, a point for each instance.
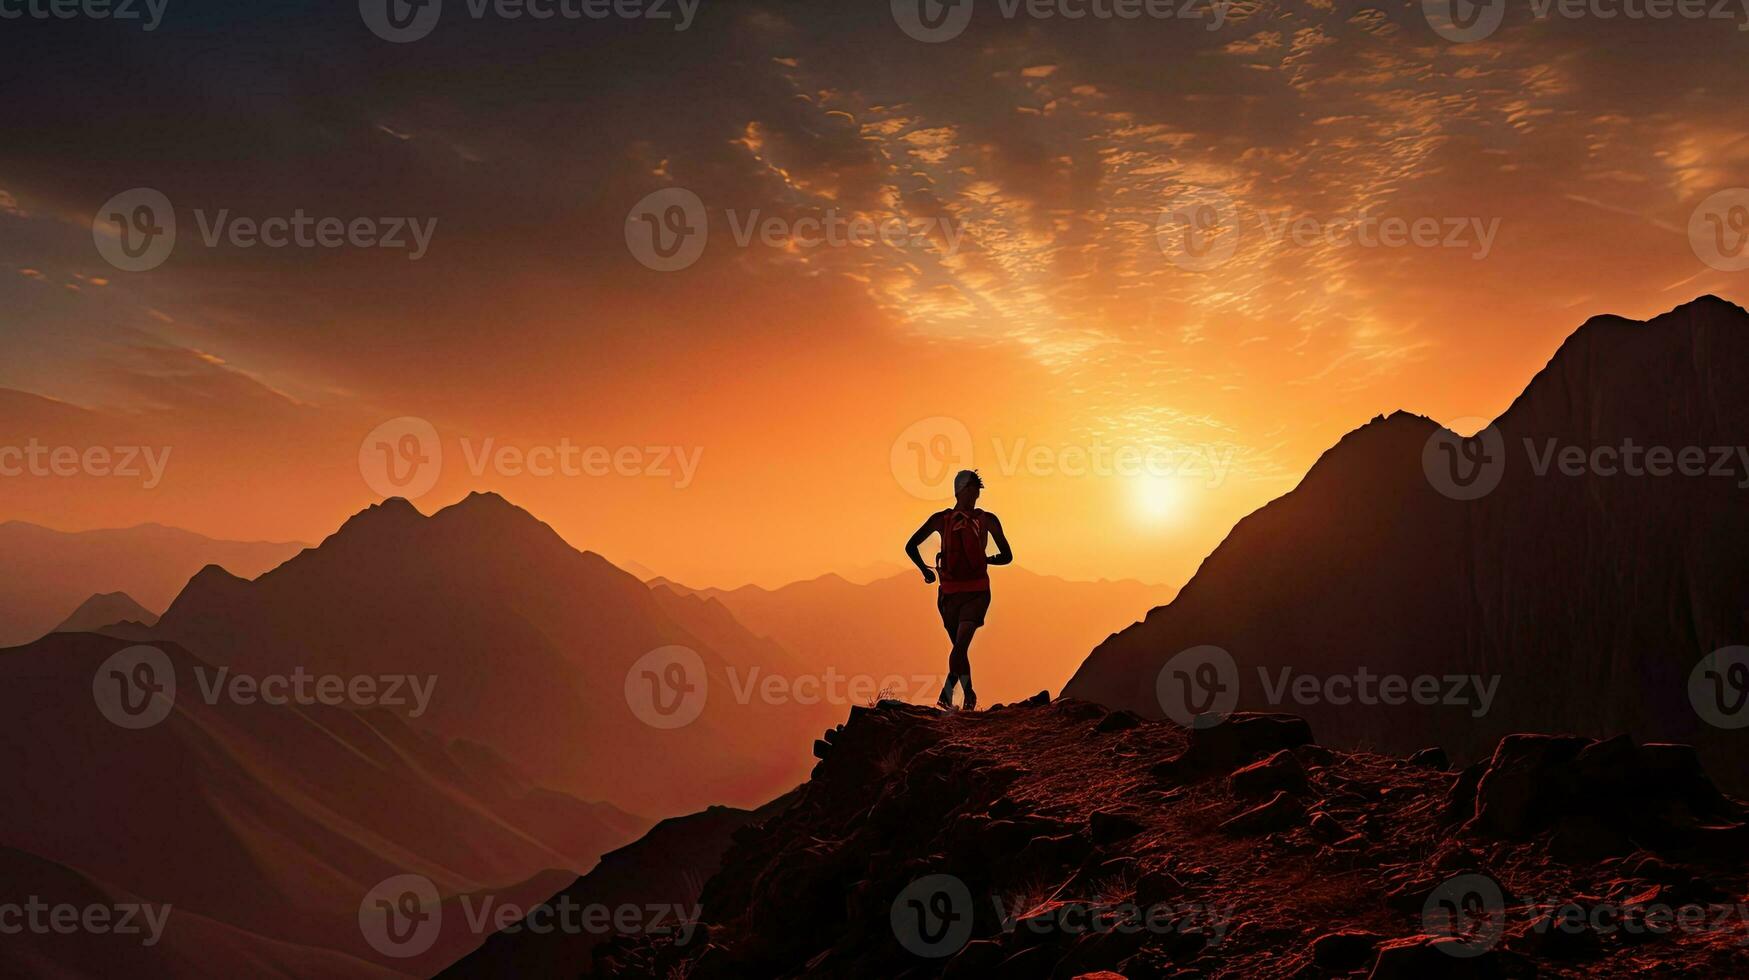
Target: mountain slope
{"type": "Point", "coordinates": [190, 945]}
{"type": "Point", "coordinates": [151, 563]}
{"type": "Point", "coordinates": [666, 867]}
{"type": "Point", "coordinates": [1590, 598]}
{"type": "Point", "coordinates": [535, 649]}
{"type": "Point", "coordinates": [890, 626]}
{"type": "Point", "coordinates": [276, 819]}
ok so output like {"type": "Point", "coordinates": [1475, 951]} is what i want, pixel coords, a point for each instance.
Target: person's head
{"type": "Point", "coordinates": [966, 485]}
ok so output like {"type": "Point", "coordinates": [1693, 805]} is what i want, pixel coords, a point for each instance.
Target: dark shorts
{"type": "Point", "coordinates": [962, 607]}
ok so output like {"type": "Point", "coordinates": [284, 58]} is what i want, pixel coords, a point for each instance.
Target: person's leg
{"type": "Point", "coordinates": [950, 622]}
{"type": "Point", "coordinates": [971, 619]}
{"type": "Point", "coordinates": [959, 662]}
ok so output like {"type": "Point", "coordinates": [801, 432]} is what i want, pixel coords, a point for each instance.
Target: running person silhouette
{"type": "Point", "coordinates": [965, 582]}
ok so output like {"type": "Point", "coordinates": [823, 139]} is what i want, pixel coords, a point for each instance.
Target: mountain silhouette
{"type": "Point", "coordinates": [190, 946]}
{"type": "Point", "coordinates": [150, 563]}
{"type": "Point", "coordinates": [530, 643]}
{"type": "Point", "coordinates": [276, 819]}
{"type": "Point", "coordinates": [107, 609]}
{"type": "Point", "coordinates": [1590, 597]}
{"type": "Point", "coordinates": [667, 866]}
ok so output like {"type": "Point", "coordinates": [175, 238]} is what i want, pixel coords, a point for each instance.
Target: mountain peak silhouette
{"type": "Point", "coordinates": [1375, 561]}
{"type": "Point", "coordinates": [525, 632]}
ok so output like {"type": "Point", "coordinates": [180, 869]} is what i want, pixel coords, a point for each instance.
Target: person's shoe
{"type": "Point", "coordinates": [971, 701]}
{"type": "Point", "coordinates": [945, 704]}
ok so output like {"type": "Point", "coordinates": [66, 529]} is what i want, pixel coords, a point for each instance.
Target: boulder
{"type": "Point", "coordinates": [1435, 958]}
{"type": "Point", "coordinates": [1239, 739]}
{"type": "Point", "coordinates": [1118, 721]}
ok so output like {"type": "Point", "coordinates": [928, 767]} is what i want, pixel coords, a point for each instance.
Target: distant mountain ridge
{"type": "Point", "coordinates": [274, 819]}
{"type": "Point", "coordinates": [530, 641]}
{"type": "Point", "coordinates": [1590, 598]}
{"type": "Point", "coordinates": [149, 562]}
{"type": "Point", "coordinates": [104, 610]}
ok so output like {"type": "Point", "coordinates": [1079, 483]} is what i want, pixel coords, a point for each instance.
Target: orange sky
{"type": "Point", "coordinates": [1057, 328]}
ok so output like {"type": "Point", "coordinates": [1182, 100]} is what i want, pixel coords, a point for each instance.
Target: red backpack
{"type": "Point", "coordinates": [963, 542]}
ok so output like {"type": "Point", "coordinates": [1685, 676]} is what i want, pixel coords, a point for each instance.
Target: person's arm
{"type": "Point", "coordinates": [917, 539]}
{"type": "Point", "coordinates": [1004, 555]}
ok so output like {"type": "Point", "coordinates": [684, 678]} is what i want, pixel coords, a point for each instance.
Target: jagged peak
{"type": "Point", "coordinates": [214, 575]}
{"type": "Point", "coordinates": [396, 509]}
{"type": "Point", "coordinates": [482, 502]}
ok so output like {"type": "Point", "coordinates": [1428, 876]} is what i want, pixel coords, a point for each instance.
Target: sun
{"type": "Point", "coordinates": [1159, 500]}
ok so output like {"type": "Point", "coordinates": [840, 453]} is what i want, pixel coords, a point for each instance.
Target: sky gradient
{"type": "Point", "coordinates": [760, 414]}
